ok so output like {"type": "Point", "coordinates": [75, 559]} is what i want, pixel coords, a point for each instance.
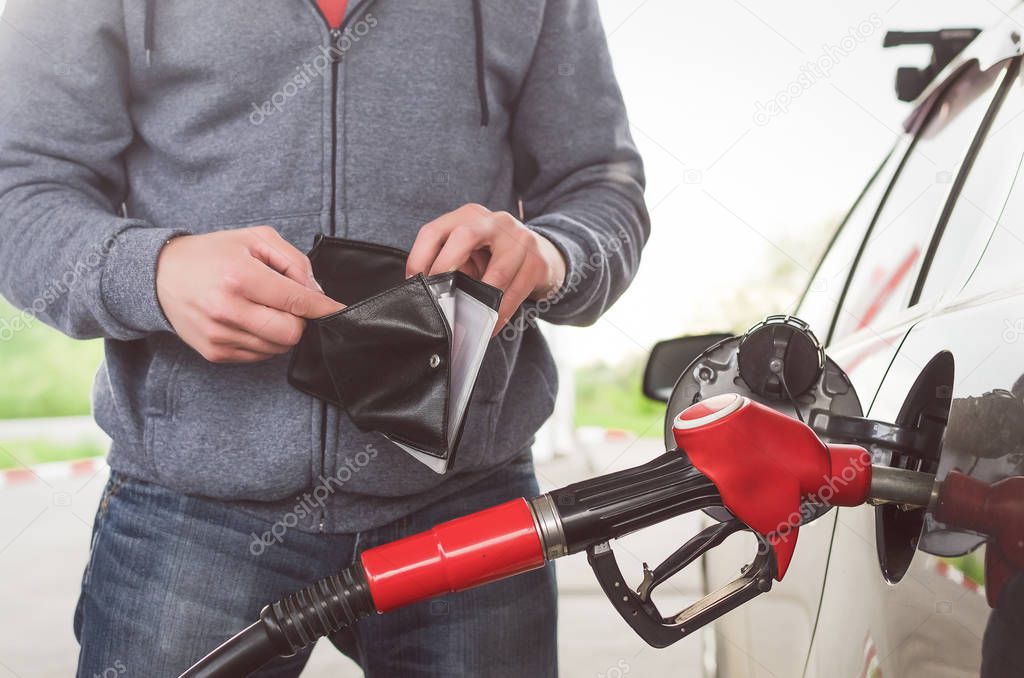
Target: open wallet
{"type": "Point", "coordinates": [402, 357]}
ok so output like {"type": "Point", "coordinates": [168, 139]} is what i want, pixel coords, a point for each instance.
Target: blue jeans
{"type": "Point", "coordinates": [172, 576]}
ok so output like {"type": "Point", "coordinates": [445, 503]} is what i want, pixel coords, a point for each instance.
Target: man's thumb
{"type": "Point", "coordinates": [312, 305]}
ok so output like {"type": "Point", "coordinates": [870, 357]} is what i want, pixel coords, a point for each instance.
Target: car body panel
{"type": "Point", "coordinates": [747, 639]}
{"type": "Point", "coordinates": [932, 621]}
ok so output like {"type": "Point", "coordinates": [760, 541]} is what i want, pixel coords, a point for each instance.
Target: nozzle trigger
{"type": "Point", "coordinates": [639, 610]}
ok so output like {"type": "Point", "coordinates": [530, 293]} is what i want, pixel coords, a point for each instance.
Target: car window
{"type": "Point", "coordinates": [1000, 267]}
{"type": "Point", "coordinates": [823, 292]}
{"type": "Point", "coordinates": [890, 257]}
{"type": "Point", "coordinates": [982, 197]}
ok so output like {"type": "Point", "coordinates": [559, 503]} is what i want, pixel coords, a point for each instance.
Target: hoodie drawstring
{"type": "Point", "coordinates": [147, 30]}
{"type": "Point", "coordinates": [481, 75]}
{"type": "Point", "coordinates": [478, 34]}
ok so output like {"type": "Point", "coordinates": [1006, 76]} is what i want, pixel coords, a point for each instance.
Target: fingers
{"type": "Point", "coordinates": [477, 264]}
{"type": "Point", "coordinates": [276, 327]}
{"type": "Point", "coordinates": [475, 240]}
{"type": "Point", "coordinates": [233, 355]}
{"type": "Point", "coordinates": [243, 356]}
{"type": "Point", "coordinates": [432, 237]}
{"type": "Point", "coordinates": [504, 265]}
{"type": "Point", "coordinates": [515, 294]}
{"type": "Point", "coordinates": [238, 295]}
{"type": "Point", "coordinates": [309, 302]}
{"type": "Point", "coordinates": [429, 242]}
{"type": "Point", "coordinates": [480, 259]}
{"type": "Point", "coordinates": [221, 342]}
{"type": "Point", "coordinates": [269, 288]}
{"type": "Point", "coordinates": [458, 249]}
{"type": "Point", "coordinates": [269, 247]}
{"type": "Point", "coordinates": [227, 338]}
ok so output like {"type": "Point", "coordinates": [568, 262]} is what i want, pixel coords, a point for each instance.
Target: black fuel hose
{"type": "Point", "coordinates": [240, 655]}
{"type": "Point", "coordinates": [568, 520]}
{"type": "Point", "coordinates": [291, 624]}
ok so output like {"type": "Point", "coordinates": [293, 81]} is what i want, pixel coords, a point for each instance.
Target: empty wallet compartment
{"type": "Point", "coordinates": [402, 360]}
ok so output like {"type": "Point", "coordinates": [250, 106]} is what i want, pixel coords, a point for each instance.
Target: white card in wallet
{"type": "Point", "coordinates": [471, 322]}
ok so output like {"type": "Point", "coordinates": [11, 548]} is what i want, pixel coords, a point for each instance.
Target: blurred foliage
{"type": "Point", "coordinates": [19, 453]}
{"type": "Point", "coordinates": [775, 288]}
{"type": "Point", "coordinates": [610, 396]}
{"type": "Point", "coordinates": [43, 372]}
{"type": "Point", "coordinates": [972, 565]}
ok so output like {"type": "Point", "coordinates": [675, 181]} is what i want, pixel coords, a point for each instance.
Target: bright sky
{"type": "Point", "coordinates": [722, 184]}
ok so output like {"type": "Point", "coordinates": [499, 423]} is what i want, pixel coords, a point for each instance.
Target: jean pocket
{"type": "Point", "coordinates": [113, 485]}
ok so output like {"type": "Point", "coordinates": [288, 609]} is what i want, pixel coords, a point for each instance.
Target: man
{"type": "Point", "coordinates": [162, 167]}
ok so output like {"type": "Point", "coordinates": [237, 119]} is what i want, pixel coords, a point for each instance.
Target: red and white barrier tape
{"type": "Point", "coordinates": [58, 470]}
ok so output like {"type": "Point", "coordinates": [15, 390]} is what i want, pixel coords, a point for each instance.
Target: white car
{"type": "Point", "coordinates": [920, 301]}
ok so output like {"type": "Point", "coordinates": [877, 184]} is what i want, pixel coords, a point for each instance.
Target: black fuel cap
{"type": "Point", "coordinates": [780, 358]}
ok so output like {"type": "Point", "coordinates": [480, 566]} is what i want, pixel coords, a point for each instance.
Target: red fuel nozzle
{"type": "Point", "coordinates": [996, 511]}
{"type": "Point", "coordinates": [766, 464]}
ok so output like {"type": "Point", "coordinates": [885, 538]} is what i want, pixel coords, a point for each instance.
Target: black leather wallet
{"type": "Point", "coordinates": [403, 355]}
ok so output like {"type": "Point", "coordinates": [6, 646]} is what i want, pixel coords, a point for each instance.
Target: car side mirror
{"type": "Point", "coordinates": [669, 358]}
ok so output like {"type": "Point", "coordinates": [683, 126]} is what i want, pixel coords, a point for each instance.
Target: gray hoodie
{"type": "Point", "coordinates": [125, 122]}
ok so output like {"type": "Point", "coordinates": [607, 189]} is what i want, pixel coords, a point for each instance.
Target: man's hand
{"type": "Point", "coordinates": [494, 247]}
{"type": "Point", "coordinates": [239, 295]}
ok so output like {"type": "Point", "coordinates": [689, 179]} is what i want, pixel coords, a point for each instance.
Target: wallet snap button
{"type": "Point", "coordinates": [435, 360]}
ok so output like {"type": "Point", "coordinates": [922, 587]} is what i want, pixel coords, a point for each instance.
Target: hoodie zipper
{"type": "Point", "coordinates": [335, 56]}
{"type": "Point", "coordinates": [335, 60]}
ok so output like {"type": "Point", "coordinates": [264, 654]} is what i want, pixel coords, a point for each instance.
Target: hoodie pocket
{"type": "Point", "coordinates": [167, 351]}
{"type": "Point", "coordinates": [233, 431]}
{"type": "Point", "coordinates": [166, 354]}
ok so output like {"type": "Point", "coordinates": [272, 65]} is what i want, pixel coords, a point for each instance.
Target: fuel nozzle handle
{"type": "Point", "coordinates": [760, 464]}
{"type": "Point", "coordinates": [573, 518]}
